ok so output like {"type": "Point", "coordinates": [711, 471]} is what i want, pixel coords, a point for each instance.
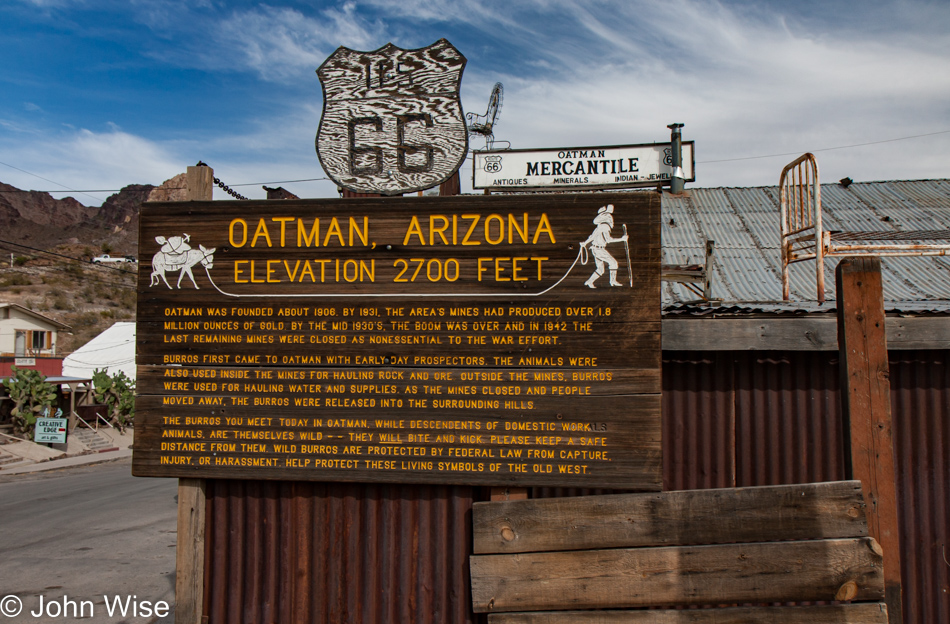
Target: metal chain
{"type": "Point", "coordinates": [227, 189]}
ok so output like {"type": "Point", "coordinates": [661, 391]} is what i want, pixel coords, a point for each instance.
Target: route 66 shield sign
{"type": "Point", "coordinates": [392, 118]}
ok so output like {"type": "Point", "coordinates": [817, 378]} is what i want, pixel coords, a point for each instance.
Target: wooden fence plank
{"type": "Point", "coordinates": [847, 569]}
{"type": "Point", "coordinates": [758, 514]}
{"type": "Point", "coordinates": [794, 334]}
{"type": "Point", "coordinates": [868, 613]}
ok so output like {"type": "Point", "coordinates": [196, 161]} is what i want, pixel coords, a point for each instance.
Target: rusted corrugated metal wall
{"type": "Point", "coordinates": [699, 420]}
{"type": "Point", "coordinates": [280, 552]}
{"type": "Point", "coordinates": [788, 418]}
{"type": "Point", "coordinates": [294, 552]}
{"type": "Point", "coordinates": [920, 398]}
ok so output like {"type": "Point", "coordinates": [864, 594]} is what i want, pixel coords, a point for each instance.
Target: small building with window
{"type": "Point", "coordinates": [29, 340]}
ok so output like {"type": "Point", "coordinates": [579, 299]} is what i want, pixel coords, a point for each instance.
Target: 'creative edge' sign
{"type": "Point", "coordinates": [473, 340]}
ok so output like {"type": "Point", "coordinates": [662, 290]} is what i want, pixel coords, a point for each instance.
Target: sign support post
{"type": "Point", "coordinates": [866, 407]}
{"type": "Point", "coordinates": [190, 548]}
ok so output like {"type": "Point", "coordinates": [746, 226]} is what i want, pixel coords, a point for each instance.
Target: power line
{"type": "Point", "coordinates": [825, 149]}
{"type": "Point", "coordinates": [69, 191]}
{"type": "Point", "coordinates": [167, 188]}
{"type": "Point", "coordinates": [53, 253]}
{"type": "Point", "coordinates": [281, 182]}
{"type": "Point", "coordinates": [47, 180]}
{"type": "Point", "coordinates": [84, 278]}
{"type": "Point", "coordinates": [96, 365]}
{"type": "Point", "coordinates": [66, 271]}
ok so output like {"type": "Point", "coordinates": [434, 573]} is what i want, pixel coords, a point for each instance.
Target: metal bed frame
{"type": "Point", "coordinates": [804, 237]}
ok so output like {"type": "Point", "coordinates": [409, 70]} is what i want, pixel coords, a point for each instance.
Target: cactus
{"type": "Point", "coordinates": [32, 396]}
{"type": "Point", "coordinates": [118, 392]}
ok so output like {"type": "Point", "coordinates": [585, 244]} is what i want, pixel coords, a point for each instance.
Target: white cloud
{"type": "Point", "coordinates": [85, 160]}
{"type": "Point", "coordinates": [280, 43]}
{"type": "Point", "coordinates": [750, 79]}
{"type": "Point", "coordinates": [745, 84]}
{"type": "Point", "coordinates": [475, 13]}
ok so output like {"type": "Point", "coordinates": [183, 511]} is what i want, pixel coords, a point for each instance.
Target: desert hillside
{"type": "Point", "coordinates": [47, 245]}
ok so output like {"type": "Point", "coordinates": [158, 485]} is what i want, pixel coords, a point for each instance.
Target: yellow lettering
{"type": "Point", "coordinates": [243, 224]}
{"type": "Point", "coordinates": [237, 270]}
{"type": "Point", "coordinates": [539, 260]}
{"type": "Point", "coordinates": [296, 267]}
{"type": "Point", "coordinates": [306, 241]}
{"type": "Point", "coordinates": [368, 271]}
{"type": "Point", "coordinates": [414, 228]}
{"type": "Point", "coordinates": [270, 271]}
{"type": "Point", "coordinates": [515, 269]}
{"type": "Point", "coordinates": [513, 226]}
{"type": "Point", "coordinates": [501, 229]}
{"type": "Point", "coordinates": [334, 229]}
{"type": "Point", "coordinates": [499, 269]}
{"type": "Point", "coordinates": [307, 271]}
{"type": "Point", "coordinates": [364, 235]}
{"type": "Point", "coordinates": [433, 229]}
{"type": "Point", "coordinates": [283, 226]}
{"type": "Point", "coordinates": [480, 268]}
{"type": "Point", "coordinates": [261, 231]}
{"type": "Point", "coordinates": [475, 219]}
{"type": "Point", "coordinates": [543, 226]}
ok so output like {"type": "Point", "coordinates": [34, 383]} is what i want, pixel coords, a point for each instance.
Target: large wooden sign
{"type": "Point", "coordinates": [392, 118]}
{"type": "Point", "coordinates": [471, 340]}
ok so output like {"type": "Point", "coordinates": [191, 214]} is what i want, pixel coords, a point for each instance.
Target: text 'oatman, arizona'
{"type": "Point", "coordinates": [473, 340]}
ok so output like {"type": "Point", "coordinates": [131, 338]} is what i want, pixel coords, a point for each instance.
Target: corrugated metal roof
{"type": "Point", "coordinates": [747, 267]}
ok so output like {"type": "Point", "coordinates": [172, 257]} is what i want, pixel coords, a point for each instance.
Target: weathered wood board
{"type": "Point", "coordinates": [819, 570]}
{"type": "Point", "coordinates": [429, 340]}
{"type": "Point", "coordinates": [756, 514]}
{"type": "Point", "coordinates": [866, 613]}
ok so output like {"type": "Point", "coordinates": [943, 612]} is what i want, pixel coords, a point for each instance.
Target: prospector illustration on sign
{"type": "Point", "coordinates": [598, 241]}
{"type": "Point", "coordinates": [392, 118]}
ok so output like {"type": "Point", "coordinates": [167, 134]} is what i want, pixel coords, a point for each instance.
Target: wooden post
{"type": "Point", "coordinates": [190, 550]}
{"type": "Point", "coordinates": [866, 403]}
{"type": "Point", "coordinates": [200, 183]}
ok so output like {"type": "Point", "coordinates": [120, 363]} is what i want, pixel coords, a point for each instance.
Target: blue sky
{"type": "Point", "coordinates": [97, 94]}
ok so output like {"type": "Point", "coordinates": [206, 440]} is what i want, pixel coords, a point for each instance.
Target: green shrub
{"type": "Point", "coordinates": [118, 392]}
{"type": "Point", "coordinates": [16, 279]}
{"type": "Point", "coordinates": [31, 396]}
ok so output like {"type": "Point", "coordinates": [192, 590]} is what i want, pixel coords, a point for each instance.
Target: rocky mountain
{"type": "Point", "coordinates": [50, 242]}
{"type": "Point", "coordinates": [38, 220]}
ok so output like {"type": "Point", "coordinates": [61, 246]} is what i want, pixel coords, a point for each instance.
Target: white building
{"type": "Point", "coordinates": [25, 333]}
{"type": "Point", "coordinates": [113, 350]}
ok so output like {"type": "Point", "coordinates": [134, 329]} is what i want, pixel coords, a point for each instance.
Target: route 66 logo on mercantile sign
{"type": "Point", "coordinates": [392, 118]}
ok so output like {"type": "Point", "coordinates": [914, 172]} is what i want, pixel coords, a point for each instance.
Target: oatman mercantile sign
{"type": "Point", "coordinates": [471, 340]}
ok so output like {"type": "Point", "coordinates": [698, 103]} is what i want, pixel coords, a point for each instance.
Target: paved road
{"type": "Point", "coordinates": [84, 533]}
